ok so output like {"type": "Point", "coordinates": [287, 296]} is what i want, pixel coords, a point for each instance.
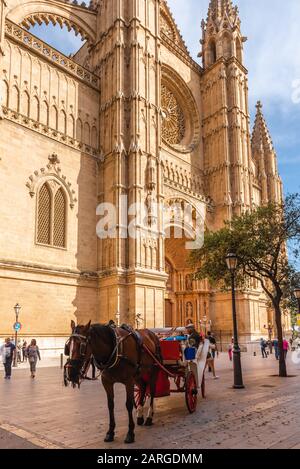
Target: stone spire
{"type": "Point", "coordinates": [218, 9]}
{"type": "Point", "coordinates": [261, 138]}
{"type": "Point", "coordinates": [221, 34]}
{"type": "Point", "coordinates": [264, 155]}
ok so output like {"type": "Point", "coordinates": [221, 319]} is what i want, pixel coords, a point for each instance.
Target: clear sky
{"type": "Point", "coordinates": [272, 56]}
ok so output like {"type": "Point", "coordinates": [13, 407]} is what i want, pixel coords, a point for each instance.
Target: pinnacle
{"type": "Point", "coordinates": [218, 8]}
{"type": "Point", "coordinates": [261, 138]}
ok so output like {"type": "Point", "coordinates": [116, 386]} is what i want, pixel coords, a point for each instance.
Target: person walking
{"type": "Point", "coordinates": [263, 346]}
{"type": "Point", "coordinates": [33, 353]}
{"type": "Point", "coordinates": [210, 361]}
{"type": "Point", "coordinates": [19, 351]}
{"type": "Point", "coordinates": [8, 351]}
{"type": "Point", "coordinates": [276, 348]}
{"type": "Point", "coordinates": [230, 349]}
{"type": "Point", "coordinates": [286, 348]}
{"type": "Point", "coordinates": [24, 347]}
{"type": "Point", "coordinates": [270, 345]}
{"type": "Point", "coordinates": [213, 350]}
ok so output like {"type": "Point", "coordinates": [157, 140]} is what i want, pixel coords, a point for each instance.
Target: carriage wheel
{"type": "Point", "coordinates": [191, 392]}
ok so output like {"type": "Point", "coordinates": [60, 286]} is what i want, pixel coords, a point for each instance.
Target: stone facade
{"type": "Point", "coordinates": [131, 114]}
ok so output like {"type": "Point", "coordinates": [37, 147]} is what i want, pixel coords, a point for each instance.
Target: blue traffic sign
{"type": "Point", "coordinates": [17, 326]}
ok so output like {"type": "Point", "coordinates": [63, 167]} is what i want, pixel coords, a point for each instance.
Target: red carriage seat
{"type": "Point", "coordinates": [170, 350]}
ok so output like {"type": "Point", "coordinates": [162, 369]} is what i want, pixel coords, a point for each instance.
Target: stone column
{"type": "Point", "coordinates": [126, 56]}
{"type": "Point", "coordinates": [145, 268]}
{"type": "Point", "coordinates": [3, 6]}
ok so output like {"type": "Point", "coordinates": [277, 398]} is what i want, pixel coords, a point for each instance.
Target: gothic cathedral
{"type": "Point", "coordinates": [130, 115]}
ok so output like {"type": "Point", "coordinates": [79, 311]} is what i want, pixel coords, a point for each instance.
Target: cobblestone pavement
{"type": "Point", "coordinates": [266, 414]}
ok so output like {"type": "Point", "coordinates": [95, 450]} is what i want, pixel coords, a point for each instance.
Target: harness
{"type": "Point", "coordinates": [114, 359]}
{"type": "Point", "coordinates": [117, 354]}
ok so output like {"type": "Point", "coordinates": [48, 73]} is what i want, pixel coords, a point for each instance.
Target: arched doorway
{"type": "Point", "coordinates": [186, 299]}
{"type": "Point", "coordinates": [182, 298]}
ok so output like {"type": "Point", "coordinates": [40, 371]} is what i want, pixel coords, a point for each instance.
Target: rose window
{"type": "Point", "coordinates": [173, 123]}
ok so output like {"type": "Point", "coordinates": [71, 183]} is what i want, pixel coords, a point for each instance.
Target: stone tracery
{"type": "Point", "coordinates": [173, 125]}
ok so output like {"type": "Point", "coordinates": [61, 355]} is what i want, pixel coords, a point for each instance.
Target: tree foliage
{"type": "Point", "coordinates": [259, 238]}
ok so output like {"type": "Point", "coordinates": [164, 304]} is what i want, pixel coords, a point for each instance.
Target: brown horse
{"type": "Point", "coordinates": [121, 358]}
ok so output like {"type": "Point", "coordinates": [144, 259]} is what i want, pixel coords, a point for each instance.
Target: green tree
{"type": "Point", "coordinates": [259, 238]}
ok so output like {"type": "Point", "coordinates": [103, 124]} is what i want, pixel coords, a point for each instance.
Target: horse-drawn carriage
{"type": "Point", "coordinates": [181, 369]}
{"type": "Point", "coordinates": [150, 363]}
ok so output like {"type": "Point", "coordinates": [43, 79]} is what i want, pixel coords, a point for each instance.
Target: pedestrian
{"type": "Point", "coordinates": [213, 342]}
{"type": "Point", "coordinates": [230, 349]}
{"type": "Point", "coordinates": [210, 361]}
{"type": "Point", "coordinates": [286, 348]}
{"type": "Point", "coordinates": [8, 352]}
{"type": "Point", "coordinates": [33, 353]}
{"type": "Point", "coordinates": [19, 351]}
{"type": "Point", "coordinates": [24, 347]}
{"type": "Point", "coordinates": [276, 348]}
{"type": "Point", "coordinates": [270, 345]}
{"type": "Point", "coordinates": [213, 350]}
{"type": "Point", "coordinates": [263, 346]}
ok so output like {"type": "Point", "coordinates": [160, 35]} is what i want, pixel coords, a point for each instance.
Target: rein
{"type": "Point", "coordinates": [116, 355]}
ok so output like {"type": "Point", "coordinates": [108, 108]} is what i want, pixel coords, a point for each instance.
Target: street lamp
{"type": "Point", "coordinates": [232, 262]}
{"type": "Point", "coordinates": [204, 321]}
{"type": "Point", "coordinates": [297, 295]}
{"type": "Point", "coordinates": [118, 315]}
{"type": "Point", "coordinates": [17, 308]}
{"type": "Point", "coordinates": [138, 319]}
{"type": "Point", "coordinates": [270, 329]}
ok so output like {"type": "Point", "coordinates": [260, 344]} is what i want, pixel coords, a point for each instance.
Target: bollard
{"type": "Point", "coordinates": [61, 360]}
{"type": "Point", "coordinates": [254, 354]}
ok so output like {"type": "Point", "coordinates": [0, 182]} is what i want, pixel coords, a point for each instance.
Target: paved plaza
{"type": "Point", "coordinates": [45, 414]}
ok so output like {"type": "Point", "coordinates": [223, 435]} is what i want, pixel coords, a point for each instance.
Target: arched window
{"type": "Point", "coordinates": [59, 219]}
{"type": "Point", "coordinates": [25, 104]}
{"type": "Point", "coordinates": [51, 215]}
{"type": "Point", "coordinates": [71, 126]}
{"type": "Point", "coordinates": [227, 52]}
{"type": "Point", "coordinates": [239, 51]}
{"type": "Point", "coordinates": [15, 99]}
{"type": "Point", "coordinates": [94, 137]}
{"type": "Point", "coordinates": [54, 118]}
{"type": "Point", "coordinates": [62, 122]}
{"type": "Point", "coordinates": [87, 132]}
{"type": "Point", "coordinates": [45, 113]}
{"type": "Point", "coordinates": [4, 93]}
{"type": "Point", "coordinates": [79, 130]}
{"type": "Point", "coordinates": [212, 52]}
{"type": "Point", "coordinates": [35, 109]}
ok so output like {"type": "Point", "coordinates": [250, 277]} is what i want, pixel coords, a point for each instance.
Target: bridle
{"type": "Point", "coordinates": [83, 343]}
{"type": "Point", "coordinates": [113, 360]}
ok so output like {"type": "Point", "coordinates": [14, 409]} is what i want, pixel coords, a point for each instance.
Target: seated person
{"type": "Point", "coordinates": [194, 337]}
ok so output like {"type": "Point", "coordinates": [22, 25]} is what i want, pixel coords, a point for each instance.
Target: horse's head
{"type": "Point", "coordinates": [79, 352]}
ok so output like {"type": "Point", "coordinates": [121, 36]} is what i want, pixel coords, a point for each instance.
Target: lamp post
{"type": "Point", "coordinates": [205, 322]}
{"type": "Point", "coordinates": [17, 308]}
{"type": "Point", "coordinates": [118, 315]}
{"type": "Point", "coordinates": [270, 329]}
{"type": "Point", "coordinates": [232, 261]}
{"type": "Point", "coordinates": [138, 319]}
{"type": "Point", "coordinates": [297, 295]}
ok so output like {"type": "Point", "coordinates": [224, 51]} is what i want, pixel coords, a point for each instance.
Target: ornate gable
{"type": "Point", "coordinates": [169, 28]}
